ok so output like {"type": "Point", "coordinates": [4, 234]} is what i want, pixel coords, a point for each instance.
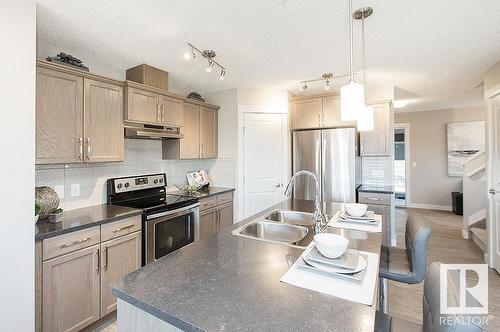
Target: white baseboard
{"type": "Point", "coordinates": [465, 234]}
{"type": "Point", "coordinates": [429, 206]}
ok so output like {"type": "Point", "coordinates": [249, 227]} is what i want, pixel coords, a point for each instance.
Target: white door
{"type": "Point", "coordinates": [493, 173]}
{"type": "Point", "coordinates": [263, 161]}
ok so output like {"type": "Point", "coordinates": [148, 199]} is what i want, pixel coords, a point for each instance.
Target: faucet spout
{"type": "Point", "coordinates": [319, 217]}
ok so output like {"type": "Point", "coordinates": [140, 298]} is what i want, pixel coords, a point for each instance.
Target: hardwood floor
{"type": "Point", "coordinates": [446, 245]}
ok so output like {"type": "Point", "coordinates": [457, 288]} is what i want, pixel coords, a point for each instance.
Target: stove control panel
{"type": "Point", "coordinates": [121, 185]}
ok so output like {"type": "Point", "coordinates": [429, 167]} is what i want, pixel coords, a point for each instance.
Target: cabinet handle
{"type": "Point", "coordinates": [157, 112]}
{"type": "Point", "coordinates": [80, 148]}
{"type": "Point", "coordinates": [202, 150]}
{"type": "Point", "coordinates": [88, 148]}
{"type": "Point", "coordinates": [98, 261]}
{"type": "Point", "coordinates": [374, 199]}
{"type": "Point", "coordinates": [162, 113]}
{"type": "Point", "coordinates": [69, 244]}
{"type": "Point", "coordinates": [319, 119]}
{"type": "Point", "coordinates": [105, 257]}
{"type": "Point", "coordinates": [122, 228]}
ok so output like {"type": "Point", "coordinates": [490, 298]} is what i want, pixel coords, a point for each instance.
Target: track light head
{"type": "Point", "coordinates": [210, 66]}
{"type": "Point", "coordinates": [304, 86]}
{"type": "Point", "coordinates": [327, 85]}
{"type": "Point", "coordinates": [222, 74]}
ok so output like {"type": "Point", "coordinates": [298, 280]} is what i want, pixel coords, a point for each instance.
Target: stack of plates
{"type": "Point", "coordinates": [368, 217]}
{"type": "Point", "coordinates": [351, 265]}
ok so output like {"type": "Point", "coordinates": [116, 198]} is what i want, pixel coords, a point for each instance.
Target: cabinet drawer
{"type": "Point", "coordinates": [375, 198]}
{"type": "Point", "coordinates": [120, 227]}
{"type": "Point", "coordinates": [63, 244]}
{"type": "Point", "coordinates": [224, 198]}
{"type": "Point", "coordinates": [208, 203]}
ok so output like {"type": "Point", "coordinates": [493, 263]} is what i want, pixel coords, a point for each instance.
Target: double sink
{"type": "Point", "coordinates": [287, 227]}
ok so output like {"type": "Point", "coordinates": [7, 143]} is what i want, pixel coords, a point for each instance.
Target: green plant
{"type": "Point", "coordinates": [56, 211]}
{"type": "Point", "coordinates": [37, 209]}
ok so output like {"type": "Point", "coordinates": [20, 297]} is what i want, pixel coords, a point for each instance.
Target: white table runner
{"type": "Point", "coordinates": [351, 290]}
{"type": "Point", "coordinates": [375, 227]}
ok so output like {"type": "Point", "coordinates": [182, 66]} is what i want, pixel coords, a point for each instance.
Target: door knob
{"type": "Point", "coordinates": [492, 191]}
{"type": "Point", "coordinates": [277, 185]}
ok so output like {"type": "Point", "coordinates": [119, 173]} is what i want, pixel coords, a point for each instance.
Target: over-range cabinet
{"type": "Point", "coordinates": [332, 155]}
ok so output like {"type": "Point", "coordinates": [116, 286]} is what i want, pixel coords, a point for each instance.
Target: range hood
{"type": "Point", "coordinates": [144, 131]}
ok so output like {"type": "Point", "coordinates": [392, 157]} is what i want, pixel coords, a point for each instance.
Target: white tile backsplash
{"type": "Point", "coordinates": [377, 170]}
{"type": "Point", "coordinates": [141, 157]}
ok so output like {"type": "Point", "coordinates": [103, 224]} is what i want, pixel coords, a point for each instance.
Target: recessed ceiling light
{"type": "Point", "coordinates": [399, 103]}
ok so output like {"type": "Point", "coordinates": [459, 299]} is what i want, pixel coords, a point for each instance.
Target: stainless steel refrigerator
{"type": "Point", "coordinates": [332, 155]}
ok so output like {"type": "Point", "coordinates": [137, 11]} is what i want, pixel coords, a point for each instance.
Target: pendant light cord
{"type": "Point", "coordinates": [363, 51]}
{"type": "Point", "coordinates": [351, 46]}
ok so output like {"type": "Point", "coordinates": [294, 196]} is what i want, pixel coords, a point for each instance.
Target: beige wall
{"type": "Point", "coordinates": [430, 183]}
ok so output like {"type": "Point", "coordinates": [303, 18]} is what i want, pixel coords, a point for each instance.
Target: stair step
{"type": "Point", "coordinates": [480, 237]}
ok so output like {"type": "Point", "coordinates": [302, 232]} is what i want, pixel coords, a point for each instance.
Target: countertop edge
{"type": "Point", "coordinates": [375, 191]}
{"type": "Point", "coordinates": [221, 190]}
{"type": "Point", "coordinates": [152, 310]}
{"type": "Point", "coordinates": [40, 237]}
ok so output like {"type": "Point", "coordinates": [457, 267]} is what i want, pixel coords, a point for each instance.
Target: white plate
{"type": "Point", "coordinates": [368, 216]}
{"type": "Point", "coordinates": [343, 216]}
{"type": "Point", "coordinates": [362, 264]}
{"type": "Point", "coordinates": [349, 260]}
{"type": "Point", "coordinates": [348, 276]}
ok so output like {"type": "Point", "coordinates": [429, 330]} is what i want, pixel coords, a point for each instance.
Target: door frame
{"type": "Point", "coordinates": [492, 224]}
{"type": "Point", "coordinates": [406, 127]}
{"type": "Point", "coordinates": [242, 110]}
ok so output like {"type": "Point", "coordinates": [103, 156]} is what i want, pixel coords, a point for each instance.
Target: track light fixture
{"type": "Point", "coordinates": [326, 77]}
{"type": "Point", "coordinates": [210, 56]}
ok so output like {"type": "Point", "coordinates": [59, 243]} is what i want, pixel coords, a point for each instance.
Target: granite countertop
{"type": "Point", "coordinates": [232, 283]}
{"type": "Point", "coordinates": [376, 188]}
{"type": "Point", "coordinates": [74, 220]}
{"type": "Point", "coordinates": [202, 194]}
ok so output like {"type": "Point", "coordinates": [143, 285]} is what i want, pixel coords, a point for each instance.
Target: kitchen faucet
{"type": "Point", "coordinates": [320, 218]}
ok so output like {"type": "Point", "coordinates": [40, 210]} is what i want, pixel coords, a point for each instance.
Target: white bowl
{"type": "Point", "coordinates": [356, 209]}
{"type": "Point", "coordinates": [331, 245]}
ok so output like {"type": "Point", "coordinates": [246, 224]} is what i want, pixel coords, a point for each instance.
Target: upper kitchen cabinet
{"type": "Point", "coordinates": [79, 116]}
{"type": "Point", "coordinates": [378, 142]}
{"type": "Point", "coordinates": [103, 125]}
{"type": "Point", "coordinates": [331, 113]}
{"type": "Point", "coordinates": [150, 105]}
{"type": "Point", "coordinates": [59, 128]}
{"type": "Point", "coordinates": [200, 134]}
{"type": "Point", "coordinates": [306, 113]}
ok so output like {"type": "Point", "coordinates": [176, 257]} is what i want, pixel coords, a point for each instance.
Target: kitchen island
{"type": "Point", "coordinates": [233, 283]}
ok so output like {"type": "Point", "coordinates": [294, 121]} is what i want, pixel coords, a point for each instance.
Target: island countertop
{"type": "Point", "coordinates": [232, 283]}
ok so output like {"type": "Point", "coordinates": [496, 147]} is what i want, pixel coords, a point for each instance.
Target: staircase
{"type": "Point", "coordinates": [475, 199]}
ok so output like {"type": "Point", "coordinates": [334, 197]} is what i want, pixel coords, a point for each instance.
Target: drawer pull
{"type": "Point", "coordinates": [69, 244]}
{"type": "Point", "coordinates": [374, 199]}
{"type": "Point", "coordinates": [122, 228]}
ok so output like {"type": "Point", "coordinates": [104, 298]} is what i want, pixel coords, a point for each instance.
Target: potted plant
{"type": "Point", "coordinates": [56, 216]}
{"type": "Point", "coordinates": [37, 212]}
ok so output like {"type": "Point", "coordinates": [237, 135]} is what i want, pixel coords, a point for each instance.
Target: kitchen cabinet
{"type": "Point", "coordinates": [200, 131]}
{"type": "Point", "coordinates": [71, 290]}
{"type": "Point", "coordinates": [119, 257]}
{"type": "Point", "coordinates": [103, 121]}
{"type": "Point", "coordinates": [225, 217]}
{"type": "Point", "coordinates": [382, 204]}
{"type": "Point", "coordinates": [74, 272]}
{"type": "Point", "coordinates": [171, 111]}
{"type": "Point", "coordinates": [59, 126]}
{"type": "Point", "coordinates": [208, 223]}
{"type": "Point", "coordinates": [378, 142]}
{"type": "Point", "coordinates": [79, 116]}
{"type": "Point", "coordinates": [216, 213]}
{"type": "Point", "coordinates": [331, 113]}
{"type": "Point", "coordinates": [306, 113]}
{"type": "Point", "coordinates": [141, 106]}
{"type": "Point", "coordinates": [208, 133]}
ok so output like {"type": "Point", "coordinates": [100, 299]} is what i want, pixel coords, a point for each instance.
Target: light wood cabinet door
{"type": "Point", "coordinates": [171, 111]}
{"type": "Point", "coordinates": [59, 108]}
{"type": "Point", "coordinates": [190, 144]}
{"type": "Point", "coordinates": [225, 215]}
{"type": "Point", "coordinates": [119, 257]}
{"type": "Point", "coordinates": [208, 133]}
{"type": "Point", "coordinates": [331, 113]}
{"type": "Point", "coordinates": [71, 290]}
{"type": "Point", "coordinates": [307, 113]}
{"type": "Point", "coordinates": [378, 141]}
{"type": "Point", "coordinates": [208, 223]}
{"type": "Point", "coordinates": [142, 106]}
{"type": "Point", "coordinates": [103, 120]}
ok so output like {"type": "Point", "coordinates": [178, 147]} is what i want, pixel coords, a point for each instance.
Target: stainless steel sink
{"type": "Point", "coordinates": [291, 217]}
{"type": "Point", "coordinates": [272, 232]}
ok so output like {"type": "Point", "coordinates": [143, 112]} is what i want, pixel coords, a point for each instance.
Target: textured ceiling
{"type": "Point", "coordinates": [432, 50]}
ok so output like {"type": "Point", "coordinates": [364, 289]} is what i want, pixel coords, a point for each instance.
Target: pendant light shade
{"type": "Point", "coordinates": [351, 101]}
{"type": "Point", "coordinates": [365, 119]}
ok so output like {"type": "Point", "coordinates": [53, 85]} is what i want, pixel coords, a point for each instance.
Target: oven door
{"type": "Point", "coordinates": [171, 230]}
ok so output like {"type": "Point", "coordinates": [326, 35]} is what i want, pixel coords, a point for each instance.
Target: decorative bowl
{"type": "Point", "coordinates": [356, 209]}
{"type": "Point", "coordinates": [331, 245]}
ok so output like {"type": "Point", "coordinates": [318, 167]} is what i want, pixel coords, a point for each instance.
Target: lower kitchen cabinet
{"type": "Point", "coordinates": [208, 223]}
{"type": "Point", "coordinates": [119, 257]}
{"type": "Point", "coordinates": [71, 286]}
{"type": "Point", "coordinates": [216, 213]}
{"type": "Point", "coordinates": [225, 217]}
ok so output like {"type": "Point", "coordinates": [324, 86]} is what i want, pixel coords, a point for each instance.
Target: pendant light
{"type": "Point", "coordinates": [352, 100]}
{"type": "Point", "coordinates": [366, 117]}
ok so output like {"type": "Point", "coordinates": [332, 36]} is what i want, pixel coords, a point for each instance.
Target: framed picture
{"type": "Point", "coordinates": [198, 178]}
{"type": "Point", "coordinates": [464, 140]}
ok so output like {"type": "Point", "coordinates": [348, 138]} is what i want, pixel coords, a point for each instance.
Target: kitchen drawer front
{"type": "Point", "coordinates": [66, 243]}
{"type": "Point", "coordinates": [208, 203]}
{"type": "Point", "coordinates": [120, 228]}
{"type": "Point", "coordinates": [224, 198]}
{"type": "Point", "coordinates": [375, 198]}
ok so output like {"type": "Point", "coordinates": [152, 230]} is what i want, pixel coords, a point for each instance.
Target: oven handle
{"type": "Point", "coordinates": [168, 213]}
